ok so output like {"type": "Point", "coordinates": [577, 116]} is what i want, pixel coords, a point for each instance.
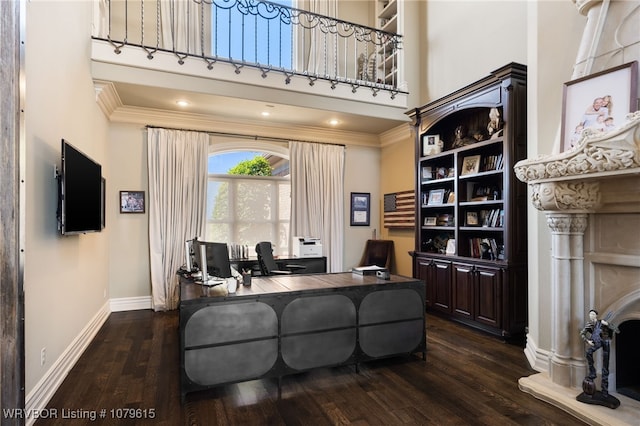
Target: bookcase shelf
{"type": "Point", "coordinates": [474, 263]}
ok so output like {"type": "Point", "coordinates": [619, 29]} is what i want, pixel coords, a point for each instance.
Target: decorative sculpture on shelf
{"type": "Point", "coordinates": [494, 128]}
{"type": "Point", "coordinates": [462, 138]}
{"type": "Point", "coordinates": [597, 334]}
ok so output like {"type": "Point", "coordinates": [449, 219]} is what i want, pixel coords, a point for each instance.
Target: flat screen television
{"type": "Point", "coordinates": [216, 258]}
{"type": "Point", "coordinates": [80, 193]}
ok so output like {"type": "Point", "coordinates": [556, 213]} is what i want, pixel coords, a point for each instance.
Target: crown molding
{"type": "Point", "coordinates": [107, 96]}
{"type": "Point", "coordinates": [398, 134]}
{"type": "Point", "coordinates": [201, 122]}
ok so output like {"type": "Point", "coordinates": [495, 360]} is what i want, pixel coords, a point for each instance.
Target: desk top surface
{"type": "Point", "coordinates": [279, 284]}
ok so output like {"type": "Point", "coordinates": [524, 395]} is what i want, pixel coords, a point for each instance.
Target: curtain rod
{"type": "Point", "coordinates": [240, 135]}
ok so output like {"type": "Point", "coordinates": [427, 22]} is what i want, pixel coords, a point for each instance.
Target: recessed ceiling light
{"type": "Point", "coordinates": [334, 122]}
{"type": "Point", "coordinates": [182, 103]}
{"type": "Point", "coordinates": [266, 113]}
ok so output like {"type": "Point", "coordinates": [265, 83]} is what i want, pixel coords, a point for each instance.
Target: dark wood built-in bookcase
{"type": "Point", "coordinates": [471, 211]}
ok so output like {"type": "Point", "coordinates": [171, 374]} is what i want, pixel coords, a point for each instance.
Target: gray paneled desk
{"type": "Point", "coordinates": [283, 325]}
{"type": "Point", "coordinates": [313, 265]}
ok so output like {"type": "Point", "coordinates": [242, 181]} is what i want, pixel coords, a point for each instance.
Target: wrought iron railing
{"type": "Point", "coordinates": [259, 34]}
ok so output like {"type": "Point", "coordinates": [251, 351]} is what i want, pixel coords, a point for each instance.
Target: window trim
{"type": "Point", "coordinates": [220, 145]}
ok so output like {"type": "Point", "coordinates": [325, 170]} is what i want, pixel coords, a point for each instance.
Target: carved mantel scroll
{"type": "Point", "coordinates": [570, 181]}
{"type": "Point", "coordinates": [566, 196]}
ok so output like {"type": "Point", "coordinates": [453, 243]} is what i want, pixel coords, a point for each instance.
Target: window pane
{"type": "Point", "coordinates": [218, 200]}
{"type": "Point", "coordinates": [245, 209]}
{"type": "Point", "coordinates": [218, 232]}
{"type": "Point", "coordinates": [252, 233]}
{"type": "Point", "coordinates": [254, 200]}
{"type": "Point", "coordinates": [284, 201]}
{"type": "Point", "coordinates": [282, 242]}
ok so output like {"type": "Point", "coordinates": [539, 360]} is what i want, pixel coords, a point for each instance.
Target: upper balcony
{"type": "Point", "coordinates": [228, 54]}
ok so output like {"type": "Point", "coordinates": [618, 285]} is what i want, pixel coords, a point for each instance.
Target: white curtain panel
{"type": "Point", "coordinates": [180, 25]}
{"type": "Point", "coordinates": [177, 162]}
{"type": "Point", "coordinates": [320, 58]}
{"type": "Point", "coordinates": [317, 197]}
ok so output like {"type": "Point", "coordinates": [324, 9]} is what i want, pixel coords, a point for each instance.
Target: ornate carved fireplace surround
{"type": "Point", "coordinates": [591, 197]}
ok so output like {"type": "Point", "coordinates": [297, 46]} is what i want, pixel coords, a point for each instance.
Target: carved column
{"type": "Point", "coordinates": [567, 204]}
{"type": "Point", "coordinates": [567, 364]}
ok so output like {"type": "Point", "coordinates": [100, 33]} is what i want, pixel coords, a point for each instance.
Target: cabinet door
{"type": "Point", "coordinates": [425, 272]}
{"type": "Point", "coordinates": [489, 296]}
{"type": "Point", "coordinates": [442, 286]}
{"type": "Point", "coordinates": [463, 294]}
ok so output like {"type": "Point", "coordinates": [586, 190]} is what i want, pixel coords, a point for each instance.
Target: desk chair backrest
{"type": "Point", "coordinates": [264, 250]}
{"type": "Point", "coordinates": [377, 252]}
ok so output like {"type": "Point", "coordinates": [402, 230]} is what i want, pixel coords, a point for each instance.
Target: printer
{"type": "Point", "coordinates": [307, 247]}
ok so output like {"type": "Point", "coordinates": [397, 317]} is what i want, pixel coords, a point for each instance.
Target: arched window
{"type": "Point", "coordinates": [246, 209]}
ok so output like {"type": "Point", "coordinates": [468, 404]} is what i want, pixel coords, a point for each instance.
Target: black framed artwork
{"type": "Point", "coordinates": [360, 208]}
{"type": "Point", "coordinates": [132, 202]}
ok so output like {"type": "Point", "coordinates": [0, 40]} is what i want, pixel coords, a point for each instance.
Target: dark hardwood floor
{"type": "Point", "coordinates": [468, 378]}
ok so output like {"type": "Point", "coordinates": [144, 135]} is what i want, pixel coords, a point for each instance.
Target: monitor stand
{"type": "Point", "coordinates": [205, 278]}
{"type": "Point", "coordinates": [211, 281]}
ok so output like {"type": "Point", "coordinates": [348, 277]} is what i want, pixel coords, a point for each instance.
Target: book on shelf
{"type": "Point", "coordinates": [484, 248]}
{"type": "Point", "coordinates": [491, 218]}
{"type": "Point", "coordinates": [491, 162]}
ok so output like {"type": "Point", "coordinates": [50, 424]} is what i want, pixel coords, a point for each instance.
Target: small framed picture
{"type": "Point", "coordinates": [430, 221]}
{"type": "Point", "coordinates": [360, 208]}
{"type": "Point", "coordinates": [472, 218]}
{"type": "Point", "coordinates": [431, 144]}
{"type": "Point", "coordinates": [132, 202]}
{"type": "Point", "coordinates": [470, 165]}
{"type": "Point", "coordinates": [587, 102]}
{"type": "Point", "coordinates": [436, 197]}
{"type": "Point", "coordinates": [427, 173]}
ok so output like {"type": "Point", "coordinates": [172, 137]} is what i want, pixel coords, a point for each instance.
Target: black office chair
{"type": "Point", "coordinates": [268, 265]}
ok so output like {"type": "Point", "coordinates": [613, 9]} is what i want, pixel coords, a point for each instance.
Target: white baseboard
{"type": "Point", "coordinates": [37, 400]}
{"type": "Point", "coordinates": [538, 358]}
{"type": "Point", "coordinates": [131, 303]}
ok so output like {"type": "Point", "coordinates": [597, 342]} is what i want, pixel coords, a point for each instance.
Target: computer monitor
{"type": "Point", "coordinates": [216, 258]}
{"type": "Point", "coordinates": [189, 254]}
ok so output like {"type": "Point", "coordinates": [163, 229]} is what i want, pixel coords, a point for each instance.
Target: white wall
{"type": "Point", "coordinates": [550, 65]}
{"type": "Point", "coordinates": [362, 174]}
{"type": "Point", "coordinates": [65, 278]}
{"type": "Point", "coordinates": [129, 270]}
{"type": "Point", "coordinates": [466, 40]}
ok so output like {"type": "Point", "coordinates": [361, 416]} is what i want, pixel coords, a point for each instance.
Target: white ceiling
{"type": "Point", "coordinates": [238, 109]}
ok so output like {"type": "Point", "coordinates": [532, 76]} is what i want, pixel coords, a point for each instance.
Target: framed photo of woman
{"type": "Point", "coordinates": [598, 101]}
